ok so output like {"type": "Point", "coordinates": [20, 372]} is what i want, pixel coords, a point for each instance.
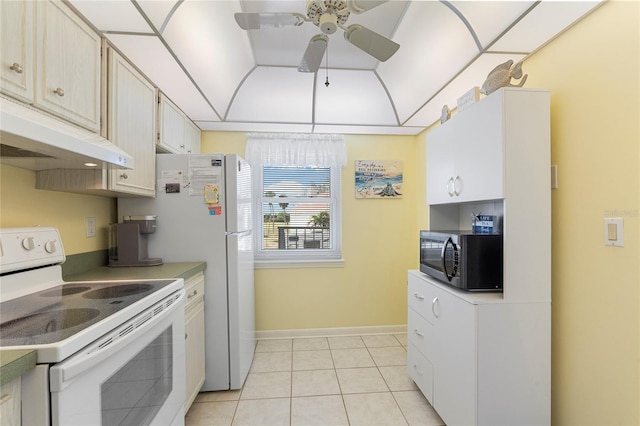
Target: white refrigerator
{"type": "Point", "coordinates": [204, 209]}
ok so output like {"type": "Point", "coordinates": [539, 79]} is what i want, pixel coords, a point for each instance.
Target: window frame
{"type": "Point", "coordinates": [303, 258]}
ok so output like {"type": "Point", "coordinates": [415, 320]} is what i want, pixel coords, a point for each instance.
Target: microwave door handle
{"type": "Point", "coordinates": [444, 262]}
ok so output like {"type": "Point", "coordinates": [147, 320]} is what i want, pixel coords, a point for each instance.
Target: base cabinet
{"type": "Point", "coordinates": [194, 338]}
{"type": "Point", "coordinates": [478, 359]}
{"type": "Point", "coordinates": [10, 403]}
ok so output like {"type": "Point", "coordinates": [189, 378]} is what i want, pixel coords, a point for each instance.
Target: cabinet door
{"type": "Point", "coordinates": [132, 126]}
{"type": "Point", "coordinates": [479, 169]}
{"type": "Point", "coordinates": [68, 64]}
{"type": "Point", "coordinates": [194, 352]}
{"type": "Point", "coordinates": [192, 136]}
{"type": "Point", "coordinates": [454, 359]}
{"type": "Point", "coordinates": [172, 127]}
{"type": "Point", "coordinates": [16, 49]}
{"type": "Point", "coordinates": [10, 403]}
{"type": "Point", "coordinates": [440, 164]}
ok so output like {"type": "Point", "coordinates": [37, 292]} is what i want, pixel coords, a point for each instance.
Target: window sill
{"type": "Point", "coordinates": [298, 264]}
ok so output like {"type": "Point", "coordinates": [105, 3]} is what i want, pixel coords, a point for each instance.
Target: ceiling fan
{"type": "Point", "coordinates": [328, 15]}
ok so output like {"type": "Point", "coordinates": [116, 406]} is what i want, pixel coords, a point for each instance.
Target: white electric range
{"type": "Point", "coordinates": [108, 352]}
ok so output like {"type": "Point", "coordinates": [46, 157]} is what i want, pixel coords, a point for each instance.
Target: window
{"type": "Point", "coordinates": [297, 206]}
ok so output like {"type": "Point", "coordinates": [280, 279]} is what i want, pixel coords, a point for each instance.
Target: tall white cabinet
{"type": "Point", "coordinates": [485, 358]}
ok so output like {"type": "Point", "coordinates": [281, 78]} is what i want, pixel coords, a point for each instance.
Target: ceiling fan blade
{"type": "Point", "coordinates": [313, 55]}
{"type": "Point", "coordinates": [359, 6]}
{"type": "Point", "coordinates": [256, 21]}
{"type": "Point", "coordinates": [371, 42]}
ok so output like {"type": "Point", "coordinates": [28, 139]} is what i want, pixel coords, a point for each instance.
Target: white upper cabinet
{"type": "Point", "coordinates": [465, 155]}
{"type": "Point", "coordinates": [132, 126]}
{"type": "Point", "coordinates": [51, 59]}
{"type": "Point", "coordinates": [68, 64]}
{"type": "Point", "coordinates": [177, 134]}
{"type": "Point", "coordinates": [192, 136]}
{"type": "Point", "coordinates": [16, 49]}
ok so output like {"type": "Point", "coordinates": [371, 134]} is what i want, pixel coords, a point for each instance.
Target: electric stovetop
{"type": "Point", "coordinates": [58, 313]}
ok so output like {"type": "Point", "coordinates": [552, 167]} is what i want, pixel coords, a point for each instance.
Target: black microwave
{"type": "Point", "coordinates": [462, 259]}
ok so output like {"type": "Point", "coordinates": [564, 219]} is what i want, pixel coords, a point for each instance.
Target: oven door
{"type": "Point", "coordinates": [132, 376]}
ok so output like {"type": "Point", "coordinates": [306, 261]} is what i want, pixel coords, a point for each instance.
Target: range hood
{"type": "Point", "coordinates": [33, 140]}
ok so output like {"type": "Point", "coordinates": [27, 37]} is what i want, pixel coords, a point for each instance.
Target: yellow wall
{"type": "Point", "coordinates": [593, 74]}
{"type": "Point", "coordinates": [379, 244]}
{"type": "Point", "coordinates": [23, 205]}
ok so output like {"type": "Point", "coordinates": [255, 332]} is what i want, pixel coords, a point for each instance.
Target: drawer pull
{"type": "Point", "coordinates": [415, 367]}
{"type": "Point", "coordinates": [418, 296]}
{"type": "Point", "coordinates": [59, 92]}
{"type": "Point", "coordinates": [415, 330]}
{"type": "Point", "coordinates": [195, 292]}
{"type": "Point", "coordinates": [16, 67]}
{"type": "Point", "coordinates": [433, 307]}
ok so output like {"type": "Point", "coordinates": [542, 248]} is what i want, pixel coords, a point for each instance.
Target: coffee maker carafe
{"type": "Point", "coordinates": [128, 241]}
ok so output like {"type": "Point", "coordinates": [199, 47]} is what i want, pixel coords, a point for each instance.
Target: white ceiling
{"type": "Point", "coordinates": [226, 78]}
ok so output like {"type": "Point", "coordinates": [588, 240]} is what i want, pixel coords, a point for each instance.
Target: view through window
{"type": "Point", "coordinates": [299, 211]}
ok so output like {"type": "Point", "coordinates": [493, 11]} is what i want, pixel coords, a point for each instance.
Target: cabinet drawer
{"type": "Point", "coordinates": [420, 334]}
{"type": "Point", "coordinates": [421, 296]}
{"type": "Point", "coordinates": [421, 371]}
{"type": "Point", "coordinates": [194, 289]}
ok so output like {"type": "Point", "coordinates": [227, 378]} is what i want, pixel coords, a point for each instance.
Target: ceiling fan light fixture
{"type": "Point", "coordinates": [328, 23]}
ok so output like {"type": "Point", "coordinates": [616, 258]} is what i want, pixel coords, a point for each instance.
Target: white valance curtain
{"type": "Point", "coordinates": [293, 149]}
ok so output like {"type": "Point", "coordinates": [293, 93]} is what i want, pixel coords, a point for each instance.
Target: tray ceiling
{"type": "Point", "coordinates": [226, 78]}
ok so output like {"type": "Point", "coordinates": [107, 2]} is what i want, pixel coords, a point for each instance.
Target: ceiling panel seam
{"type": "Point", "coordinates": [170, 15]}
{"type": "Point", "coordinates": [175, 57]}
{"type": "Point", "coordinates": [235, 92]}
{"type": "Point", "coordinates": [464, 21]}
{"type": "Point", "coordinates": [513, 24]}
{"type": "Point", "coordinates": [393, 105]}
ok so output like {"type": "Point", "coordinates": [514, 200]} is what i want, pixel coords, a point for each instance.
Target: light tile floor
{"type": "Point", "coordinates": [359, 380]}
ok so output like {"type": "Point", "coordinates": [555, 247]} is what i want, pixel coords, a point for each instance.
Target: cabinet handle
{"type": "Point", "coordinates": [450, 187]}
{"type": "Point", "coordinates": [433, 307]}
{"type": "Point", "coordinates": [181, 146]}
{"type": "Point", "coordinates": [59, 92]}
{"type": "Point", "coordinates": [186, 336]}
{"type": "Point", "coordinates": [455, 187]}
{"type": "Point", "coordinates": [124, 176]}
{"type": "Point", "coordinates": [415, 367]}
{"type": "Point", "coordinates": [417, 296]}
{"type": "Point", "coordinates": [415, 330]}
{"type": "Point", "coordinates": [195, 292]}
{"type": "Point", "coordinates": [16, 67]}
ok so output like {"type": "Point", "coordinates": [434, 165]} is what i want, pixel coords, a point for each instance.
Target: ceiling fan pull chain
{"type": "Point", "coordinates": [326, 81]}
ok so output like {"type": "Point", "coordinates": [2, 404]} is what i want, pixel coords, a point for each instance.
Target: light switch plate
{"type": "Point", "coordinates": [613, 231]}
{"type": "Point", "coordinates": [90, 229]}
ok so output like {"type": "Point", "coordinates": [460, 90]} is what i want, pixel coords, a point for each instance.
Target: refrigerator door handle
{"type": "Point", "coordinates": [248, 232]}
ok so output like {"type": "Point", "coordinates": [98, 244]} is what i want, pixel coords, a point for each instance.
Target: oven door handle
{"type": "Point", "coordinates": [133, 330]}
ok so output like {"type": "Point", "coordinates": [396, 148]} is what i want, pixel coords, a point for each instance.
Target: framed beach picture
{"type": "Point", "coordinates": [378, 178]}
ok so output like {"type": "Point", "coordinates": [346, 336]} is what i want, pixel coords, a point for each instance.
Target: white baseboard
{"type": "Point", "coordinates": [330, 332]}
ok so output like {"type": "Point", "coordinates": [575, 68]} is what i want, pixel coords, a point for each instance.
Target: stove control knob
{"type": "Point", "coordinates": [28, 244]}
{"type": "Point", "coordinates": [50, 246]}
